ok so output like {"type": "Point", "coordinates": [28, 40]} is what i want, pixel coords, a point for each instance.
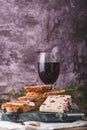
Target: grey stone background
{"type": "Point", "coordinates": [30, 26]}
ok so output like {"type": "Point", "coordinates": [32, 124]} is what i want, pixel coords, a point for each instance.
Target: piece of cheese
{"type": "Point", "coordinates": [56, 103]}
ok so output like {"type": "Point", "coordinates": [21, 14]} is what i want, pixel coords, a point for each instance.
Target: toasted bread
{"type": "Point", "coordinates": [53, 92]}
{"type": "Point", "coordinates": [38, 88]}
{"type": "Point", "coordinates": [17, 106]}
{"type": "Point", "coordinates": [24, 98]}
{"type": "Point", "coordinates": [35, 94]}
{"type": "Point", "coordinates": [37, 101]}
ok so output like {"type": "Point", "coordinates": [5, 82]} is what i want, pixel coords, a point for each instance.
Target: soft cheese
{"type": "Point", "coordinates": [56, 103]}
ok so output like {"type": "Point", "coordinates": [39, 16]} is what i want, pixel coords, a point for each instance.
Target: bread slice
{"type": "Point", "coordinates": [35, 94]}
{"type": "Point", "coordinates": [17, 106]}
{"type": "Point", "coordinates": [38, 88]}
{"type": "Point", "coordinates": [25, 98]}
{"type": "Point", "coordinates": [53, 92]}
{"type": "Point", "coordinates": [38, 101]}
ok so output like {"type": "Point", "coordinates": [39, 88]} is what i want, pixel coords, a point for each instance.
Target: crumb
{"type": "Point", "coordinates": [21, 123]}
{"type": "Point", "coordinates": [35, 124]}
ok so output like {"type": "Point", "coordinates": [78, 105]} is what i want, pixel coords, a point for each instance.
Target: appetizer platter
{"type": "Point", "coordinates": [41, 103]}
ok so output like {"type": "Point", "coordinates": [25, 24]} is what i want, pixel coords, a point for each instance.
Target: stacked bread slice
{"type": "Point", "coordinates": [31, 101]}
{"type": "Point", "coordinates": [36, 94]}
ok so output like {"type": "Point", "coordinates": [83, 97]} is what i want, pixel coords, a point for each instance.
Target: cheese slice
{"type": "Point", "coordinates": [56, 103]}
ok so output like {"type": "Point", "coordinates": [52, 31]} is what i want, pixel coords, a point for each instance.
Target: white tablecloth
{"type": "Point", "coordinates": [5, 125]}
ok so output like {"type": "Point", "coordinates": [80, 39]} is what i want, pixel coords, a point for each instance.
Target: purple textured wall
{"type": "Point", "coordinates": [30, 26]}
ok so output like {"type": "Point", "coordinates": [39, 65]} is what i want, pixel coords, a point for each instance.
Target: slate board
{"type": "Point", "coordinates": [42, 116]}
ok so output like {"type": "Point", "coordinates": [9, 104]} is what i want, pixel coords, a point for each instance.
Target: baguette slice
{"type": "Point", "coordinates": [38, 88]}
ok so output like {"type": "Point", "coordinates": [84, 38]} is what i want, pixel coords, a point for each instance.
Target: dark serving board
{"type": "Point", "coordinates": [43, 117]}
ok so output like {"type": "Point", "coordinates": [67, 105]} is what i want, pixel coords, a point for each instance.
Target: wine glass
{"type": "Point", "coordinates": [48, 67]}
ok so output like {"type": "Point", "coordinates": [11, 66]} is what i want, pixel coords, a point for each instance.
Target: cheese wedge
{"type": "Point", "coordinates": [56, 103]}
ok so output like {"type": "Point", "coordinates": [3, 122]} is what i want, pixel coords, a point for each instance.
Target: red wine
{"type": "Point", "coordinates": [49, 72]}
